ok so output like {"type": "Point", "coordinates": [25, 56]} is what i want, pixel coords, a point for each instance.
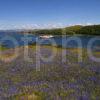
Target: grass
{"type": "Point", "coordinates": [66, 93]}
{"type": "Point", "coordinates": [68, 80]}
{"type": "Point", "coordinates": [36, 95]}
{"type": "Point", "coordinates": [2, 48]}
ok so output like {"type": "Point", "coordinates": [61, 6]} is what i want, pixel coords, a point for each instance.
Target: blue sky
{"type": "Point", "coordinates": [18, 13]}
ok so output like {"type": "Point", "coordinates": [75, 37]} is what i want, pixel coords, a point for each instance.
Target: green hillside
{"type": "Point", "coordinates": [72, 30]}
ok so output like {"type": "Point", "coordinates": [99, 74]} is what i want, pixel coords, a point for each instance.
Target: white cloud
{"type": "Point", "coordinates": [30, 26]}
{"type": "Point", "coordinates": [38, 26]}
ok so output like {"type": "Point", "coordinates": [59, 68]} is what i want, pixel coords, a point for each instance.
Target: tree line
{"type": "Point", "coordinates": [72, 30]}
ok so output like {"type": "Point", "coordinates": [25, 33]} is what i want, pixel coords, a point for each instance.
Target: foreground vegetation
{"type": "Point", "coordinates": [56, 80]}
{"type": "Point", "coordinates": [2, 48]}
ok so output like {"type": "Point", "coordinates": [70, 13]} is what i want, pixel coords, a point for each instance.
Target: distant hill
{"type": "Point", "coordinates": [90, 30]}
{"type": "Point", "coordinates": [72, 30]}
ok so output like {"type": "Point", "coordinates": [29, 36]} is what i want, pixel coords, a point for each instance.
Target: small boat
{"type": "Point", "coordinates": [46, 36]}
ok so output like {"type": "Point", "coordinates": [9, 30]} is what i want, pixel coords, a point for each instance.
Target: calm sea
{"type": "Point", "coordinates": [14, 39]}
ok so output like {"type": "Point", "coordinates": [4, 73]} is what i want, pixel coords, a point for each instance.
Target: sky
{"type": "Point", "coordinates": [48, 13]}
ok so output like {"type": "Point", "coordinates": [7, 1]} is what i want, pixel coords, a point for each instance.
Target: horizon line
{"type": "Point", "coordinates": [38, 26]}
